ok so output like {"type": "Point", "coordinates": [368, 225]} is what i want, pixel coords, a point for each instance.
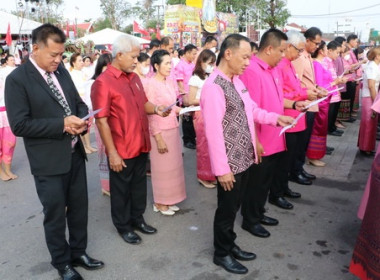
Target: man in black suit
{"type": "Point", "coordinates": [44, 108]}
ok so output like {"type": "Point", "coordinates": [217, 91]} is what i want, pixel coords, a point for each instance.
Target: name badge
{"type": "Point", "coordinates": [244, 91]}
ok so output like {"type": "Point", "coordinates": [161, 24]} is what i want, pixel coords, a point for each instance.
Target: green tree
{"type": "Point", "coordinates": [114, 11]}
{"type": "Point", "coordinates": [175, 2]}
{"type": "Point", "coordinates": [128, 29]}
{"type": "Point", "coordinates": [102, 23]}
{"type": "Point", "coordinates": [273, 12]}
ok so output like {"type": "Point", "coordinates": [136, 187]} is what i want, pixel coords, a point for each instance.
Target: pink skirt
{"type": "Point", "coordinates": [168, 177]}
{"type": "Point", "coordinates": [204, 171]}
{"type": "Point", "coordinates": [367, 131]}
{"type": "Point", "coordinates": [103, 162]}
{"type": "Point", "coordinates": [318, 139]}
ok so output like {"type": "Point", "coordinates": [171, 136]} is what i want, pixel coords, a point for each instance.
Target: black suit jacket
{"type": "Point", "coordinates": [35, 114]}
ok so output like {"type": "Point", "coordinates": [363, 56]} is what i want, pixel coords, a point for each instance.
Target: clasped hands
{"type": "Point", "coordinates": [74, 125]}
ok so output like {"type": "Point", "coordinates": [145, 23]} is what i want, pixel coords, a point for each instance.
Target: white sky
{"type": "Point", "coordinates": [367, 17]}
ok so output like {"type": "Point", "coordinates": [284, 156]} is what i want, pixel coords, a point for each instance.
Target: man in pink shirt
{"type": "Point", "coordinates": [229, 115]}
{"type": "Point", "coordinates": [305, 72]}
{"type": "Point", "coordinates": [264, 84]}
{"type": "Point", "coordinates": [183, 72]}
{"type": "Point", "coordinates": [352, 43]}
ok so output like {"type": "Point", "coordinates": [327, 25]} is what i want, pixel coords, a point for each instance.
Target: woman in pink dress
{"type": "Point", "coordinates": [203, 67]}
{"type": "Point", "coordinates": [368, 121]}
{"type": "Point", "coordinates": [323, 78]}
{"type": "Point", "coordinates": [168, 178]}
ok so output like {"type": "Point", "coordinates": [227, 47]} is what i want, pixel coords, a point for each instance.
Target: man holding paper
{"type": "Point", "coordinates": [45, 109]}
{"type": "Point", "coordinates": [264, 84]}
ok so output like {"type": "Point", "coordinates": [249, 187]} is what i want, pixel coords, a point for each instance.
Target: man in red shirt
{"type": "Point", "coordinates": [123, 126]}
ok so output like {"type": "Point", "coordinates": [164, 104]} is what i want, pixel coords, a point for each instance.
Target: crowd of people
{"type": "Point", "coordinates": [239, 96]}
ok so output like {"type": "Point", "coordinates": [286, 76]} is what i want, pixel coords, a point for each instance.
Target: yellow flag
{"type": "Point", "coordinates": [194, 3]}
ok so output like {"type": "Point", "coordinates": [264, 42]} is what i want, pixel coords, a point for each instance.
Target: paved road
{"type": "Point", "coordinates": [313, 242]}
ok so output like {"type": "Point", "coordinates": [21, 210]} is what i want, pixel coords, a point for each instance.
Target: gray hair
{"type": "Point", "coordinates": [124, 43]}
{"type": "Point", "coordinates": [295, 37]}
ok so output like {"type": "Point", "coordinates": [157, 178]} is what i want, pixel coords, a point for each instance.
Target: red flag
{"type": "Point", "coordinates": [138, 29]}
{"type": "Point", "coordinates": [8, 37]}
{"type": "Point", "coordinates": [158, 34]}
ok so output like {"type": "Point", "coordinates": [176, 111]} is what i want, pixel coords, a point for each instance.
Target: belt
{"type": "Point", "coordinates": [2, 109]}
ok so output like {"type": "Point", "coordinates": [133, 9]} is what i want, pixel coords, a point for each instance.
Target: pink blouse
{"type": "Point", "coordinates": [329, 65]}
{"type": "Point", "coordinates": [161, 93]}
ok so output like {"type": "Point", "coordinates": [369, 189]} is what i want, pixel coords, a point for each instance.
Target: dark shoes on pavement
{"type": "Point", "coordinates": [291, 194]}
{"type": "Point", "coordinates": [308, 175]}
{"type": "Point", "coordinates": [281, 202]}
{"type": "Point", "coordinates": [69, 273]}
{"type": "Point", "coordinates": [145, 228]}
{"type": "Point", "coordinates": [300, 179]}
{"type": "Point", "coordinates": [336, 133]}
{"type": "Point", "coordinates": [131, 237]}
{"type": "Point", "coordinates": [256, 230]}
{"type": "Point", "coordinates": [230, 262]}
{"type": "Point", "coordinates": [268, 221]}
{"type": "Point", "coordinates": [190, 145]}
{"type": "Point", "coordinates": [87, 262]}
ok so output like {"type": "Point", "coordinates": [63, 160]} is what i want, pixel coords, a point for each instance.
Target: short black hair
{"type": "Point", "coordinates": [231, 42]}
{"type": "Point", "coordinates": [312, 32]}
{"type": "Point", "coordinates": [155, 43]}
{"type": "Point", "coordinates": [165, 41]}
{"type": "Point", "coordinates": [143, 57]}
{"type": "Point", "coordinates": [272, 37]}
{"type": "Point", "coordinates": [209, 39]}
{"type": "Point", "coordinates": [189, 48]}
{"type": "Point", "coordinates": [181, 52]}
{"type": "Point", "coordinates": [351, 37]}
{"type": "Point", "coordinates": [8, 57]}
{"type": "Point", "coordinates": [358, 51]}
{"type": "Point", "coordinates": [340, 39]}
{"type": "Point", "coordinates": [333, 45]}
{"type": "Point", "coordinates": [254, 46]}
{"type": "Point", "coordinates": [157, 58]}
{"type": "Point", "coordinates": [42, 33]}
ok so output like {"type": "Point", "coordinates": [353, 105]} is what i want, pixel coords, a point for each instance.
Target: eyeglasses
{"type": "Point", "coordinates": [297, 49]}
{"type": "Point", "coordinates": [317, 44]}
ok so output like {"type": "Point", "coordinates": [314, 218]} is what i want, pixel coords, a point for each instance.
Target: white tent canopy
{"type": "Point", "coordinates": [15, 23]}
{"type": "Point", "coordinates": [108, 36]}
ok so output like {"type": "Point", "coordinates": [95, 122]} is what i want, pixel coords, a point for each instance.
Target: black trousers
{"type": "Point", "coordinates": [188, 130]}
{"type": "Point", "coordinates": [293, 141]}
{"type": "Point", "coordinates": [333, 114]}
{"type": "Point", "coordinates": [302, 148]}
{"type": "Point", "coordinates": [257, 192]}
{"type": "Point", "coordinates": [351, 91]}
{"type": "Point", "coordinates": [228, 205]}
{"type": "Point", "coordinates": [280, 175]}
{"type": "Point", "coordinates": [128, 193]}
{"type": "Point", "coordinates": [56, 193]}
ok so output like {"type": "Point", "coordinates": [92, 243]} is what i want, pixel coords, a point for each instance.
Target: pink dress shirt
{"type": "Point", "coordinates": [350, 61]}
{"type": "Point", "coordinates": [339, 66]}
{"type": "Point", "coordinates": [293, 90]}
{"type": "Point", "coordinates": [323, 77]}
{"type": "Point", "coordinates": [183, 72]}
{"type": "Point", "coordinates": [161, 92]}
{"type": "Point", "coordinates": [329, 65]}
{"type": "Point", "coordinates": [213, 108]}
{"type": "Point", "coordinates": [265, 88]}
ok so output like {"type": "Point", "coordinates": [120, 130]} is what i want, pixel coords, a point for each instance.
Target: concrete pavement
{"type": "Point", "coordinates": [312, 242]}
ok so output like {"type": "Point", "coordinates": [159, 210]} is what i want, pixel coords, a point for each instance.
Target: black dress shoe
{"type": "Point", "coordinates": [145, 228]}
{"type": "Point", "coordinates": [230, 264]}
{"type": "Point", "coordinates": [330, 148]}
{"type": "Point", "coordinates": [131, 237]}
{"type": "Point", "coordinates": [350, 120]}
{"type": "Point", "coordinates": [328, 152]}
{"type": "Point", "coordinates": [190, 145]}
{"type": "Point", "coordinates": [268, 221]}
{"type": "Point", "coordinates": [308, 175]}
{"type": "Point", "coordinates": [335, 133]}
{"type": "Point", "coordinates": [241, 255]}
{"type": "Point", "coordinates": [257, 230]}
{"type": "Point", "coordinates": [69, 273]}
{"type": "Point", "coordinates": [87, 263]}
{"type": "Point", "coordinates": [281, 202]}
{"type": "Point", "coordinates": [300, 179]}
{"type": "Point", "coordinates": [291, 194]}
